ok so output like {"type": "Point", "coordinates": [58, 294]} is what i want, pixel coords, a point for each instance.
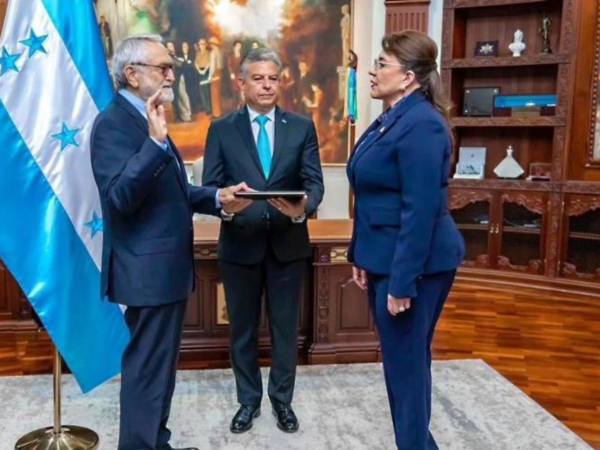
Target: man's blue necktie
{"type": "Point", "coordinates": [263, 146]}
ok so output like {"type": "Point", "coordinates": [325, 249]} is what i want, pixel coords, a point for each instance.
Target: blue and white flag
{"type": "Point", "coordinates": [53, 82]}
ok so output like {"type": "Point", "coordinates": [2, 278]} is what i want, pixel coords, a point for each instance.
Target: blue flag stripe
{"type": "Point", "coordinates": [61, 280]}
{"type": "Point", "coordinates": [73, 24]}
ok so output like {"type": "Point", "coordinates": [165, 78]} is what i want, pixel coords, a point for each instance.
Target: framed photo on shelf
{"type": "Point", "coordinates": [471, 163]}
{"type": "Point", "coordinates": [540, 172]}
{"type": "Point", "coordinates": [486, 48]}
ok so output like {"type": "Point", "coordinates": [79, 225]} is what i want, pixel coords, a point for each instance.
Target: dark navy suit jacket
{"type": "Point", "coordinates": [399, 174]}
{"type": "Point", "coordinates": [147, 207]}
{"type": "Point", "coordinates": [231, 157]}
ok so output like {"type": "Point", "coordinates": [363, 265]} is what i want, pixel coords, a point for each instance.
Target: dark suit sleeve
{"type": "Point", "coordinates": [310, 171]}
{"type": "Point", "coordinates": [202, 199]}
{"type": "Point", "coordinates": [126, 171]}
{"type": "Point", "coordinates": [420, 164]}
{"type": "Point", "coordinates": [213, 173]}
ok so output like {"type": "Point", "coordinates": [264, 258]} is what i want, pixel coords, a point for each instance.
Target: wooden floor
{"type": "Point", "coordinates": [547, 345]}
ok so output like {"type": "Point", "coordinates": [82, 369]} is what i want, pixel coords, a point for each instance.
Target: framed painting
{"type": "Point", "coordinates": [209, 39]}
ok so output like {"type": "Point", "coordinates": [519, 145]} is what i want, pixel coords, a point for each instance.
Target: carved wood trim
{"type": "Point", "coordinates": [553, 234]}
{"type": "Point", "coordinates": [569, 270]}
{"type": "Point", "coordinates": [322, 313]}
{"type": "Point", "coordinates": [486, 3]}
{"type": "Point", "coordinates": [460, 199]}
{"type": "Point", "coordinates": [562, 89]}
{"type": "Point", "coordinates": [447, 37]}
{"type": "Point", "coordinates": [535, 266]}
{"type": "Point", "coordinates": [542, 121]}
{"type": "Point", "coordinates": [581, 187]}
{"type": "Point", "coordinates": [323, 255]}
{"type": "Point", "coordinates": [567, 32]}
{"type": "Point", "coordinates": [534, 203]}
{"type": "Point", "coordinates": [206, 253]}
{"type": "Point", "coordinates": [521, 185]}
{"type": "Point", "coordinates": [338, 255]}
{"type": "Point", "coordinates": [507, 61]}
{"type": "Point", "coordinates": [582, 205]}
{"type": "Point", "coordinates": [595, 82]}
{"type": "Point", "coordinates": [483, 261]}
{"type": "Point", "coordinates": [558, 151]}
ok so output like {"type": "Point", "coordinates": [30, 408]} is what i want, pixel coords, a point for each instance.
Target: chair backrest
{"type": "Point", "coordinates": [197, 167]}
{"type": "Point", "coordinates": [337, 194]}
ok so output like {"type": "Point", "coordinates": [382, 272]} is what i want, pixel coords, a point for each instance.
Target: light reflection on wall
{"type": "Point", "coordinates": [251, 16]}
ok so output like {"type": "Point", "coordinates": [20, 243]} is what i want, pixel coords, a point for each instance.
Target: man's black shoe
{"type": "Point", "coordinates": [242, 421]}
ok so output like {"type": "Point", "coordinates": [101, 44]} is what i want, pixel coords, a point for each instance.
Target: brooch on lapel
{"type": "Point", "coordinates": [382, 129]}
{"type": "Point", "coordinates": [284, 121]}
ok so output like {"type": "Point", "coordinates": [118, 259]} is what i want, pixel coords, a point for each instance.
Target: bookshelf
{"type": "Point", "coordinates": [542, 230]}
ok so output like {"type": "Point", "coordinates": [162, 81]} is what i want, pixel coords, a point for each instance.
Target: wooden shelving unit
{"type": "Point", "coordinates": [534, 139]}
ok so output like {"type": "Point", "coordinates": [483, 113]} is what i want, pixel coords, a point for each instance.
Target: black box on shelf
{"type": "Point", "coordinates": [479, 101]}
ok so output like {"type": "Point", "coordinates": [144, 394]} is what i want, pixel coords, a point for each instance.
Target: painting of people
{"type": "Point", "coordinates": [208, 40]}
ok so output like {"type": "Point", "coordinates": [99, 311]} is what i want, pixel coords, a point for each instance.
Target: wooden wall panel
{"type": "Point", "coordinates": [354, 310]}
{"type": "Point", "coordinates": [3, 5]}
{"type": "Point", "coordinates": [577, 157]}
{"type": "Point", "coordinates": [406, 14]}
{"type": "Point", "coordinates": [343, 329]}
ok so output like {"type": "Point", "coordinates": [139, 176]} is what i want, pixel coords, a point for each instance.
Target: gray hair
{"type": "Point", "coordinates": [260, 55]}
{"type": "Point", "coordinates": [130, 50]}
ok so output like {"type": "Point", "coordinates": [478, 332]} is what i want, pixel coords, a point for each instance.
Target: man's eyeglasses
{"type": "Point", "coordinates": [379, 64]}
{"type": "Point", "coordinates": [164, 68]}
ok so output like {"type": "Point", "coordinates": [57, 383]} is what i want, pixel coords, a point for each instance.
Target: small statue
{"type": "Point", "coordinates": [509, 167]}
{"type": "Point", "coordinates": [518, 45]}
{"type": "Point", "coordinates": [545, 33]}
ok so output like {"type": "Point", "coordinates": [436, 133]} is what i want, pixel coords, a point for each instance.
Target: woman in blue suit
{"type": "Point", "coordinates": [405, 246]}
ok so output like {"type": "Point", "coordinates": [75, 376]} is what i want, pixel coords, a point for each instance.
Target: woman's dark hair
{"type": "Point", "coordinates": [418, 52]}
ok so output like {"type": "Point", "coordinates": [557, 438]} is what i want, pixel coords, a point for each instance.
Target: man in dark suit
{"type": "Point", "coordinates": [147, 259]}
{"type": "Point", "coordinates": [263, 249]}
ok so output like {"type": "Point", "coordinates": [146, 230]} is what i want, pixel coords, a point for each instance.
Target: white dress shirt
{"type": "Point", "coordinates": [269, 126]}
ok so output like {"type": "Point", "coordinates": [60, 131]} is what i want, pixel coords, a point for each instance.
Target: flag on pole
{"type": "Point", "coordinates": [53, 83]}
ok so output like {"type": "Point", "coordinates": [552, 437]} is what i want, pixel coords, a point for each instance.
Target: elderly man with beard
{"type": "Point", "coordinates": [147, 258]}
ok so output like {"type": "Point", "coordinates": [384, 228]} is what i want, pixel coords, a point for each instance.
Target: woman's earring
{"type": "Point", "coordinates": [402, 90]}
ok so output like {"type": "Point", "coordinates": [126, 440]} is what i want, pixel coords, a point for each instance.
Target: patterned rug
{"type": "Point", "coordinates": [339, 407]}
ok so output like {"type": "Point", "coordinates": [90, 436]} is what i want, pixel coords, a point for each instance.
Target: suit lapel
{"type": "Point", "coordinates": [242, 123]}
{"type": "Point", "coordinates": [181, 174]}
{"type": "Point", "coordinates": [393, 116]}
{"type": "Point", "coordinates": [281, 129]}
{"type": "Point", "coordinates": [362, 139]}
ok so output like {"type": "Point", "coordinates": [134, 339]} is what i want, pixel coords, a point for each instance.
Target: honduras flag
{"type": "Point", "coordinates": [53, 83]}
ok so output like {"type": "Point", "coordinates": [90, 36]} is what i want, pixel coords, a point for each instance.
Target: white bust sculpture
{"type": "Point", "coordinates": [518, 45]}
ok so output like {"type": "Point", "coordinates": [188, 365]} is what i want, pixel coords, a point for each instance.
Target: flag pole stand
{"type": "Point", "coordinates": [58, 437]}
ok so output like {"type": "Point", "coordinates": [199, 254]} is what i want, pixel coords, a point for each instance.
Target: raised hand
{"type": "Point", "coordinates": [157, 122]}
